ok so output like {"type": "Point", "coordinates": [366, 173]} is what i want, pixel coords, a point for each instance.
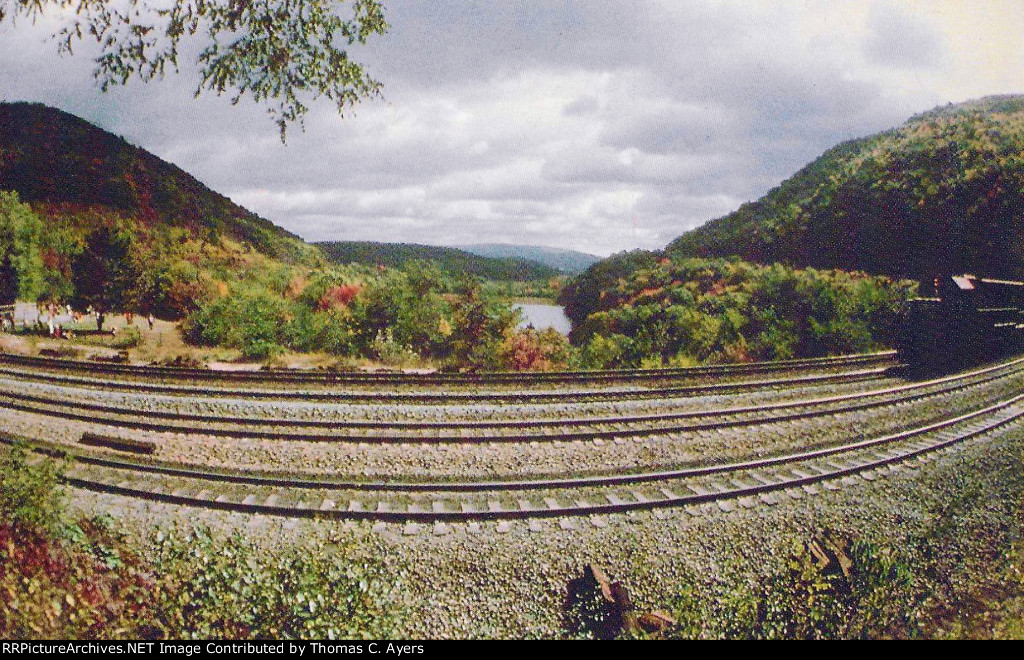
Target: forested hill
{"type": "Point", "coordinates": [69, 169]}
{"type": "Point", "coordinates": [449, 260]}
{"type": "Point", "coordinates": [943, 193]}
{"type": "Point", "coordinates": [567, 261]}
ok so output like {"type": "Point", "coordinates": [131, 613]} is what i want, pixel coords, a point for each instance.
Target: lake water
{"type": "Point", "coordinates": [545, 316]}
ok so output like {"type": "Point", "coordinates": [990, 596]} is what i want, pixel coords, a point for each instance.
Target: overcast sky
{"type": "Point", "coordinates": [587, 124]}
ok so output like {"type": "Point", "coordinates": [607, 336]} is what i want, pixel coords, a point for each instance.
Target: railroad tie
{"type": "Point", "coordinates": [669, 495]}
{"type": "Point", "coordinates": [740, 485]}
{"type": "Point", "coordinates": [615, 499]}
{"type": "Point", "coordinates": [757, 476]}
{"type": "Point", "coordinates": [697, 490]}
{"type": "Point", "coordinates": [639, 497]}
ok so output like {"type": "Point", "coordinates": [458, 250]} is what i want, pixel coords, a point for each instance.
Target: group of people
{"type": "Point", "coordinates": [48, 319]}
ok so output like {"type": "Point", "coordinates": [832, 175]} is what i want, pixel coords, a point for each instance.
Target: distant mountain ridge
{"type": "Point", "coordinates": [942, 193]}
{"type": "Point", "coordinates": [568, 261]}
{"type": "Point", "coordinates": [450, 260]}
{"type": "Point", "coordinates": [68, 168]}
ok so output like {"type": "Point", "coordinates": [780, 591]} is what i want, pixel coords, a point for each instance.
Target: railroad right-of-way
{"type": "Point", "coordinates": [497, 447]}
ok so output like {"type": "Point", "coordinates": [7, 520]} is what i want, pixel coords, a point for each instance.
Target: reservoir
{"type": "Point", "coordinates": [545, 316]}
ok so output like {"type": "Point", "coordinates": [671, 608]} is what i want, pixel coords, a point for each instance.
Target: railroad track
{"type": "Point", "coordinates": [729, 485]}
{"type": "Point", "coordinates": [522, 430]}
{"type": "Point", "coordinates": [577, 493]}
{"type": "Point", "coordinates": [378, 379]}
{"type": "Point", "coordinates": [384, 397]}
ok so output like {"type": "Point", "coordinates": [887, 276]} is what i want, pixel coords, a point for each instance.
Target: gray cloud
{"type": "Point", "coordinates": [899, 40]}
{"type": "Point", "coordinates": [598, 125]}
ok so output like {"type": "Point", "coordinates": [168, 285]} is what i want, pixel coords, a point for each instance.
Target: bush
{"type": "Point", "coordinates": [253, 321]}
{"type": "Point", "coordinates": [86, 588]}
{"type": "Point", "coordinates": [229, 589]}
{"type": "Point", "coordinates": [391, 352]}
{"type": "Point", "coordinates": [127, 337]}
{"type": "Point", "coordinates": [532, 350]}
{"type": "Point", "coordinates": [827, 588]}
{"type": "Point", "coordinates": [82, 581]}
{"type": "Point", "coordinates": [31, 496]}
{"type": "Point", "coordinates": [729, 311]}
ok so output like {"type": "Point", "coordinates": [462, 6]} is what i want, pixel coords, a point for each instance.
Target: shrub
{"type": "Point", "coordinates": [826, 588]}
{"type": "Point", "coordinates": [532, 350]}
{"type": "Point", "coordinates": [253, 321]}
{"type": "Point", "coordinates": [82, 581]}
{"type": "Point", "coordinates": [391, 352]}
{"type": "Point", "coordinates": [729, 311]}
{"type": "Point", "coordinates": [603, 352]}
{"type": "Point", "coordinates": [338, 296]}
{"type": "Point", "coordinates": [31, 496]}
{"type": "Point", "coordinates": [229, 589]}
{"type": "Point", "coordinates": [127, 337]}
{"type": "Point", "coordinates": [86, 588]}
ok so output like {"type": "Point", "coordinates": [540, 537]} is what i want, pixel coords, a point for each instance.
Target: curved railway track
{"type": "Point", "coordinates": [992, 405]}
{"type": "Point", "coordinates": [378, 379]}
{"type": "Point", "coordinates": [523, 430]}
{"type": "Point", "coordinates": [728, 485]}
{"type": "Point", "coordinates": [385, 397]}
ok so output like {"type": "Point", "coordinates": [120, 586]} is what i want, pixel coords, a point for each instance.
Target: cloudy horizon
{"type": "Point", "coordinates": [582, 124]}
